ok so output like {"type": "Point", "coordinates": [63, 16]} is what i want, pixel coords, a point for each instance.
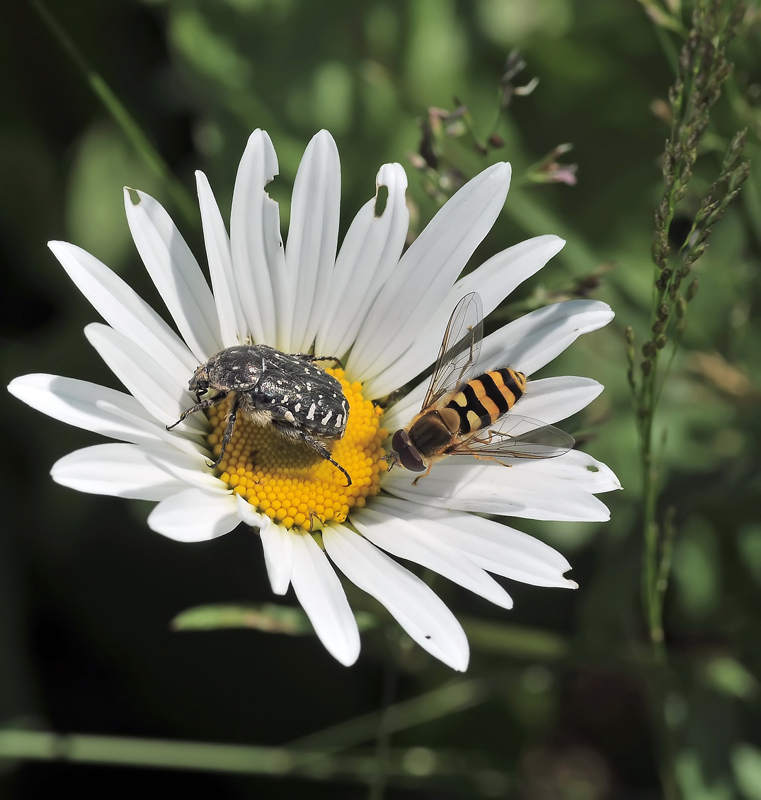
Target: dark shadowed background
{"type": "Point", "coordinates": [87, 591]}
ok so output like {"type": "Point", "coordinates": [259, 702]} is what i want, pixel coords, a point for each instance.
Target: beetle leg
{"type": "Point", "coordinates": [320, 448]}
{"type": "Point", "coordinates": [200, 406]}
{"type": "Point", "coordinates": [229, 429]}
{"type": "Point", "coordinates": [310, 441]}
{"type": "Point", "coordinates": [308, 357]}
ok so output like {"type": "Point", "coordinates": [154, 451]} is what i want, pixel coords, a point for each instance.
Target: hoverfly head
{"type": "Point", "coordinates": [405, 453]}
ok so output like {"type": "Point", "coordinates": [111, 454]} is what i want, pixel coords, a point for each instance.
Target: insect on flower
{"type": "Point", "coordinates": [301, 401]}
{"type": "Point", "coordinates": [466, 415]}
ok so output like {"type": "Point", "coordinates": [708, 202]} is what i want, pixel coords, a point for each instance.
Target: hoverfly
{"type": "Point", "coordinates": [466, 415]}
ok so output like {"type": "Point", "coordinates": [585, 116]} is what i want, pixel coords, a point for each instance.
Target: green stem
{"type": "Point", "coordinates": [383, 742]}
{"type": "Point", "coordinates": [453, 697]}
{"type": "Point", "coordinates": [241, 759]}
{"type": "Point", "coordinates": [650, 595]}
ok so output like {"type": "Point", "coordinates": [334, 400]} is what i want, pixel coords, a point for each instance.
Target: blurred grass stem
{"type": "Point", "coordinates": [403, 764]}
{"type": "Point", "coordinates": [129, 126]}
{"type": "Point", "coordinates": [383, 740]}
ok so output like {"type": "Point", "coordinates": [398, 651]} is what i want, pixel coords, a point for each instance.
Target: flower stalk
{"type": "Point", "coordinates": [702, 69]}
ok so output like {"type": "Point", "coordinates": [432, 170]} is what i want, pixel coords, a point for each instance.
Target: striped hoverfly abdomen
{"type": "Point", "coordinates": [483, 400]}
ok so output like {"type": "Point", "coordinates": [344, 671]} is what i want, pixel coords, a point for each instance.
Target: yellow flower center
{"type": "Point", "coordinates": [290, 483]}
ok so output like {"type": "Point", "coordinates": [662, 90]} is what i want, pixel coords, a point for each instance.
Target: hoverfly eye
{"type": "Point", "coordinates": [409, 457]}
{"type": "Point", "coordinates": [400, 440]}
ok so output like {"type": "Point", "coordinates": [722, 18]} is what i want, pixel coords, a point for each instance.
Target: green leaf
{"type": "Point", "coordinates": [516, 640]}
{"type": "Point", "coordinates": [729, 676]}
{"type": "Point", "coordinates": [746, 763]}
{"type": "Point", "coordinates": [693, 781]}
{"type": "Point", "coordinates": [268, 618]}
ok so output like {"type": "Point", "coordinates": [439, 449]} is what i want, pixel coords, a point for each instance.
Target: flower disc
{"type": "Point", "coordinates": [286, 480]}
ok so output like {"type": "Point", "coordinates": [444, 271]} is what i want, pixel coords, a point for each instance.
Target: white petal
{"type": "Point", "coordinates": [576, 466]}
{"type": "Point", "coordinates": [310, 251]}
{"type": "Point", "coordinates": [493, 546]}
{"type": "Point", "coordinates": [159, 394]}
{"type": "Point", "coordinates": [257, 248]}
{"type": "Point", "coordinates": [191, 469]}
{"type": "Point", "coordinates": [189, 443]}
{"type": "Point", "coordinates": [249, 516]}
{"type": "Point", "coordinates": [278, 555]}
{"type": "Point", "coordinates": [367, 257]}
{"type": "Point", "coordinates": [551, 400]}
{"type": "Point", "coordinates": [405, 539]}
{"type": "Point", "coordinates": [427, 272]}
{"type": "Point", "coordinates": [414, 605]}
{"type": "Point", "coordinates": [492, 488]}
{"type": "Point", "coordinates": [400, 414]}
{"type": "Point", "coordinates": [77, 403]}
{"type": "Point", "coordinates": [194, 516]}
{"type": "Point", "coordinates": [320, 593]}
{"type": "Point", "coordinates": [494, 281]}
{"type": "Point", "coordinates": [233, 328]}
{"type": "Point", "coordinates": [498, 277]}
{"type": "Point", "coordinates": [535, 339]}
{"type": "Point", "coordinates": [124, 310]}
{"type": "Point", "coordinates": [120, 470]}
{"type": "Point", "coordinates": [176, 274]}
{"type": "Point", "coordinates": [276, 541]}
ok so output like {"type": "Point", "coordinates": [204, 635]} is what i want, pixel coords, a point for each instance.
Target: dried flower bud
{"type": "Point", "coordinates": [737, 145]}
{"type": "Point", "coordinates": [661, 342]}
{"type": "Point", "coordinates": [739, 176]}
{"type": "Point", "coordinates": [695, 254]}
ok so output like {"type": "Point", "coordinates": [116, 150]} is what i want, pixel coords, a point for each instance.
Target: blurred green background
{"type": "Point", "coordinates": [558, 701]}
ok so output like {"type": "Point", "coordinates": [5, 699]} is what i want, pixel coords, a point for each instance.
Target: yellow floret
{"type": "Point", "coordinates": [287, 480]}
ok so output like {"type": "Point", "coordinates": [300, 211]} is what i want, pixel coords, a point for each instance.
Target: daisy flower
{"type": "Point", "coordinates": [382, 311]}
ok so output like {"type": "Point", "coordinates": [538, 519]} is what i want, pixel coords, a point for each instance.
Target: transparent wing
{"type": "Point", "coordinates": [460, 348]}
{"type": "Point", "coordinates": [513, 436]}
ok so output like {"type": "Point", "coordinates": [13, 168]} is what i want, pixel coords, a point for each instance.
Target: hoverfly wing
{"type": "Point", "coordinates": [460, 349]}
{"type": "Point", "coordinates": [514, 436]}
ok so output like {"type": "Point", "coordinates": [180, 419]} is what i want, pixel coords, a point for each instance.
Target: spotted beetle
{"type": "Point", "coordinates": [285, 390]}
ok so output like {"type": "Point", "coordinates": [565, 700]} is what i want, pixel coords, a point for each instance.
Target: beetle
{"type": "Point", "coordinates": [285, 390]}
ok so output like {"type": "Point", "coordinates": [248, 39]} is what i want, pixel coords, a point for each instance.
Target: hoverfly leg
{"type": "Point", "coordinates": [424, 475]}
{"type": "Point", "coordinates": [200, 406]}
{"type": "Point", "coordinates": [490, 458]}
